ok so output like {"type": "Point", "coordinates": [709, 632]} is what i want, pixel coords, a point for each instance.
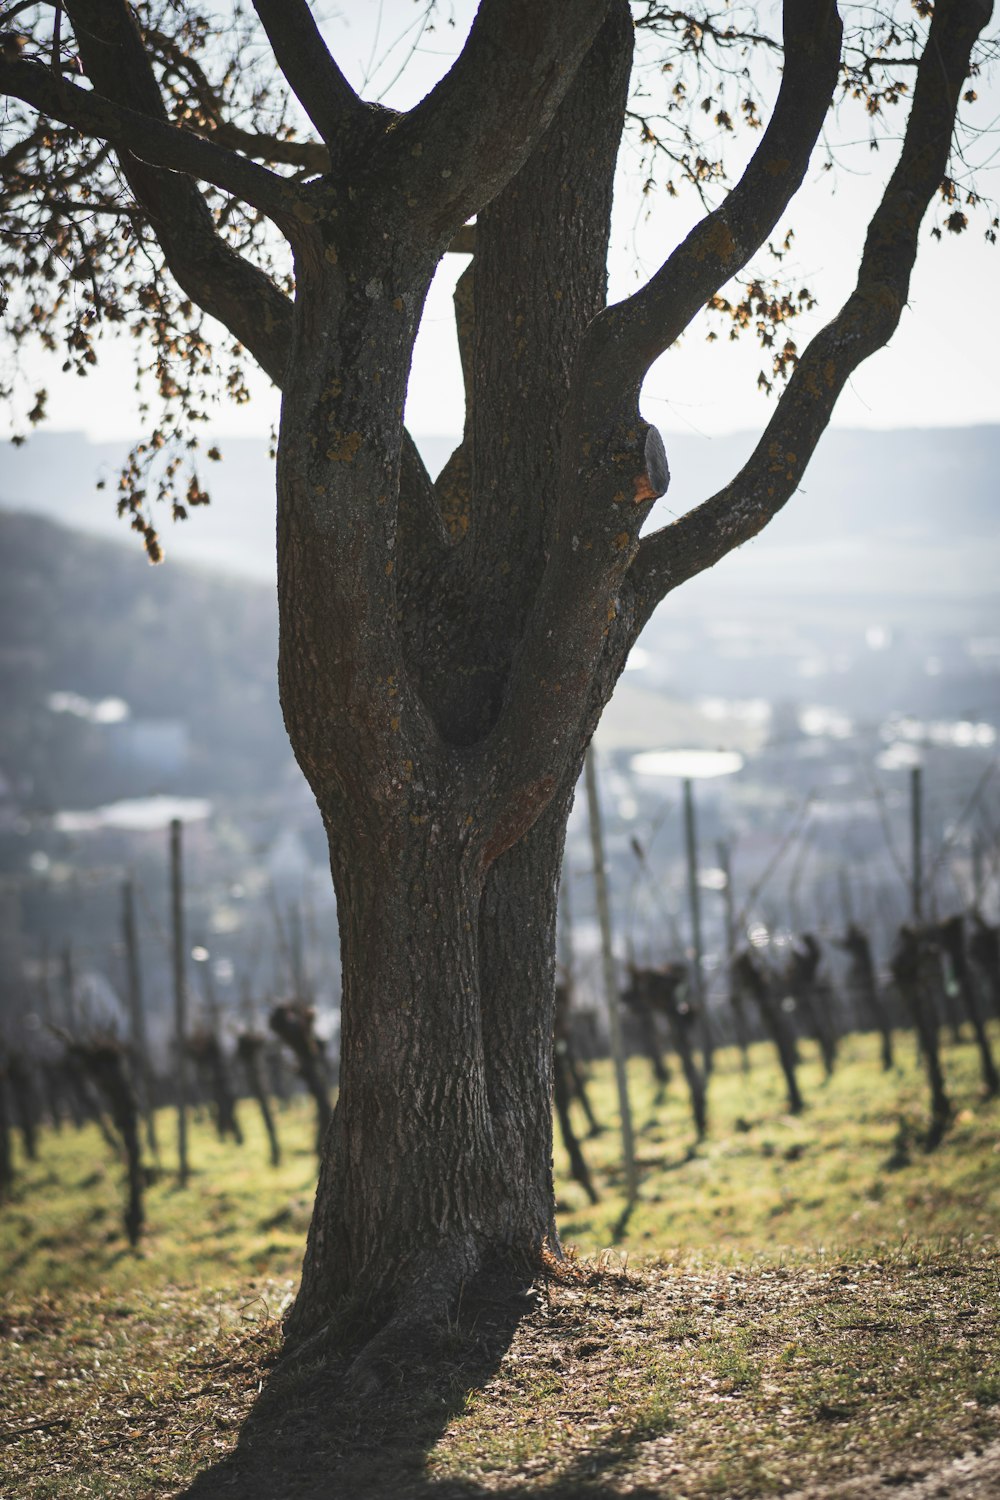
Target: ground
{"type": "Point", "coordinates": [801, 1307]}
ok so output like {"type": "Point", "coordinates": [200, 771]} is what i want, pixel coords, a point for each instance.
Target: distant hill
{"type": "Point", "coordinates": [908, 512]}
{"type": "Point", "coordinates": [192, 653]}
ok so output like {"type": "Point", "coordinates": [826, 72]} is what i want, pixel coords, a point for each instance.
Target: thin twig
{"type": "Point", "coordinates": [967, 811]}
{"type": "Point", "coordinates": [878, 796]}
{"type": "Point", "coordinates": [774, 862]}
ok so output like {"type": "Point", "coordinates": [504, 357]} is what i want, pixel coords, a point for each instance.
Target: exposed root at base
{"type": "Point", "coordinates": [433, 1311]}
{"type": "Point", "coordinates": [379, 1341]}
{"type": "Point", "coordinates": [426, 1303]}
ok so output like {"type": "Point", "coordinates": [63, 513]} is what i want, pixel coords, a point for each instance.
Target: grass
{"type": "Point", "coordinates": [238, 1219]}
{"type": "Point", "coordinates": [794, 1299]}
{"type": "Point", "coordinates": [848, 1172]}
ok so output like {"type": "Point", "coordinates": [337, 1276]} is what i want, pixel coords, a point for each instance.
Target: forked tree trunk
{"type": "Point", "coordinates": [446, 651]}
{"type": "Point", "coordinates": [439, 1156]}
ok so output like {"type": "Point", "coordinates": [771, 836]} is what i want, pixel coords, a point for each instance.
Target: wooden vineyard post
{"type": "Point", "coordinates": [137, 1013]}
{"type": "Point", "coordinates": [180, 997]}
{"type": "Point", "coordinates": [694, 902]}
{"type": "Point", "coordinates": [610, 983]}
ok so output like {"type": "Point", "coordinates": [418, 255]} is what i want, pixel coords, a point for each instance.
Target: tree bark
{"type": "Point", "coordinates": [438, 1157]}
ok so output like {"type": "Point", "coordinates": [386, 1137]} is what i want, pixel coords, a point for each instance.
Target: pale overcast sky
{"type": "Point", "coordinates": [941, 369]}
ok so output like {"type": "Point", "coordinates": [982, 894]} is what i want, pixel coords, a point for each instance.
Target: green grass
{"type": "Point", "coordinates": [792, 1299]}
{"type": "Point", "coordinates": [237, 1220]}
{"type": "Point", "coordinates": [850, 1171]}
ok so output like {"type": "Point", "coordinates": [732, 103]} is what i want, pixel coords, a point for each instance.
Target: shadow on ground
{"type": "Point", "coordinates": [307, 1439]}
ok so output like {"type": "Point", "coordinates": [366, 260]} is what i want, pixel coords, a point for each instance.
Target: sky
{"type": "Point", "coordinates": [940, 369]}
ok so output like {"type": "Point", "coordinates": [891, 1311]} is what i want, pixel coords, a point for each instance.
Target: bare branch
{"type": "Point", "coordinates": [210, 272]}
{"type": "Point", "coordinates": [308, 156]}
{"type": "Point", "coordinates": [629, 336]}
{"type": "Point", "coordinates": [150, 139]}
{"type": "Point", "coordinates": [864, 324]}
{"type": "Point", "coordinates": [302, 55]}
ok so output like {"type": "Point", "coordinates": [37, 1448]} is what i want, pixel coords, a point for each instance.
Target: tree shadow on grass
{"type": "Point", "coordinates": [308, 1438]}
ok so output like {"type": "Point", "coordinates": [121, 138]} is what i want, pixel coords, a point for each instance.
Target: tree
{"type": "Point", "coordinates": [446, 648]}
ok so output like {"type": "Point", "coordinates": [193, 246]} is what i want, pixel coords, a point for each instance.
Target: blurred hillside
{"type": "Point", "coordinates": [904, 513]}
{"type": "Point", "coordinates": [857, 638]}
{"type": "Point", "coordinates": [874, 590]}
{"type": "Point", "coordinates": [118, 679]}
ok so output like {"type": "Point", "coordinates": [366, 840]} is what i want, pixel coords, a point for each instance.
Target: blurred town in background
{"type": "Point", "coordinates": [797, 686]}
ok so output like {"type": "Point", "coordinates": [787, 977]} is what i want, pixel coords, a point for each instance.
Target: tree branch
{"type": "Point", "coordinates": [629, 336]}
{"type": "Point", "coordinates": [458, 147]}
{"type": "Point", "coordinates": [312, 75]}
{"type": "Point", "coordinates": [214, 275]}
{"type": "Point", "coordinates": [864, 324]}
{"type": "Point", "coordinates": [613, 465]}
{"type": "Point", "coordinates": [308, 156]}
{"type": "Point", "coordinates": [152, 140]}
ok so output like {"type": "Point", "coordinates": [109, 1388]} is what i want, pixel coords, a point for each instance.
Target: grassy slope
{"type": "Point", "coordinates": [823, 1300]}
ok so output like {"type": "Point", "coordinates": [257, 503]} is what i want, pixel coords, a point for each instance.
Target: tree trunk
{"type": "Point", "coordinates": [956, 972]}
{"type": "Point", "coordinates": [292, 1021]}
{"type": "Point", "coordinates": [747, 972]}
{"type": "Point", "coordinates": [439, 1156]}
{"type": "Point", "coordinates": [863, 986]}
{"type": "Point", "coordinates": [25, 1103]}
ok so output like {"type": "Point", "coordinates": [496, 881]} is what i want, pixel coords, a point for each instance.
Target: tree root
{"type": "Point", "coordinates": [427, 1305]}
{"type": "Point", "coordinates": [428, 1316]}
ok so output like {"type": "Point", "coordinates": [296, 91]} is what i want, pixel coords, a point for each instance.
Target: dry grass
{"type": "Point", "coordinates": [821, 1300]}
